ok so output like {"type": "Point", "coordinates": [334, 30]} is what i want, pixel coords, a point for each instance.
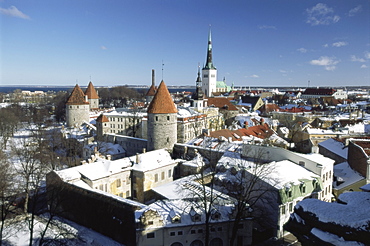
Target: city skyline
{"type": "Point", "coordinates": [255, 43]}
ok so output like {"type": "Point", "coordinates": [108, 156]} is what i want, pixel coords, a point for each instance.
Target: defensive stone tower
{"type": "Point", "coordinates": [92, 96]}
{"type": "Point", "coordinates": [162, 120]}
{"type": "Point", "coordinates": [102, 125]}
{"type": "Point", "coordinates": [77, 108]}
{"type": "Point", "coordinates": [209, 71]}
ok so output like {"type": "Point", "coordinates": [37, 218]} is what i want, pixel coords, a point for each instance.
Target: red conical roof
{"type": "Point", "coordinates": [102, 118]}
{"type": "Point", "coordinates": [162, 102]}
{"type": "Point", "coordinates": [77, 97]}
{"type": "Point", "coordinates": [151, 91]}
{"type": "Point", "coordinates": [91, 92]}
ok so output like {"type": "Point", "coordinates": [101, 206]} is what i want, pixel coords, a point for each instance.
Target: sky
{"type": "Point", "coordinates": [119, 42]}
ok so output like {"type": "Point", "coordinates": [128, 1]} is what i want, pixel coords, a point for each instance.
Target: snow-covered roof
{"type": "Point", "coordinates": [346, 174]}
{"type": "Point", "coordinates": [354, 214]}
{"type": "Point", "coordinates": [167, 209]}
{"type": "Point", "coordinates": [96, 170]}
{"type": "Point", "coordinates": [279, 174]}
{"type": "Point", "coordinates": [152, 160]}
{"type": "Point", "coordinates": [335, 147]}
{"type": "Point", "coordinates": [319, 131]}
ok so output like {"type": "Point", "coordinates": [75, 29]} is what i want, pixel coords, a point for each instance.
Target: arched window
{"type": "Point", "coordinates": [176, 244]}
{"type": "Point", "coordinates": [216, 242]}
{"type": "Point", "coordinates": [196, 243]}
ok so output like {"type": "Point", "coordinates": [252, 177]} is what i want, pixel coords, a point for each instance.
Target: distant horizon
{"type": "Point", "coordinates": [255, 43]}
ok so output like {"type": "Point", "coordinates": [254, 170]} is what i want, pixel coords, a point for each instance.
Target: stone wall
{"type": "Point", "coordinates": [110, 216]}
{"type": "Point", "coordinates": [131, 145]}
{"type": "Point", "coordinates": [77, 114]}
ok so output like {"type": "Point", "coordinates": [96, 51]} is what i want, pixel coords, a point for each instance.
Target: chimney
{"type": "Point", "coordinates": [153, 78]}
{"type": "Point", "coordinates": [137, 158]}
{"type": "Point", "coordinates": [144, 150]}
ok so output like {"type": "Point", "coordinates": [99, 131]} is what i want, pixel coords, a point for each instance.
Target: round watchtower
{"type": "Point", "coordinates": [77, 108]}
{"type": "Point", "coordinates": [162, 120]}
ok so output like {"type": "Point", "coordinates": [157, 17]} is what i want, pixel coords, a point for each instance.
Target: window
{"type": "Point", "coordinates": [150, 222]}
{"type": "Point", "coordinates": [156, 118]}
{"type": "Point", "coordinates": [127, 193]}
{"type": "Point", "coordinates": [169, 173]}
{"type": "Point", "coordinates": [213, 229]}
{"type": "Point", "coordinates": [283, 209]}
{"type": "Point", "coordinates": [172, 233]}
{"type": "Point", "coordinates": [179, 233]}
{"type": "Point", "coordinates": [290, 207]}
{"type": "Point", "coordinates": [118, 183]}
{"type": "Point", "coordinates": [162, 175]}
{"type": "Point", "coordinates": [168, 117]}
{"type": "Point", "coordinates": [290, 193]}
{"type": "Point", "coordinates": [200, 230]}
{"type": "Point", "coordinates": [156, 177]}
{"type": "Point", "coordinates": [150, 235]}
{"type": "Point", "coordinates": [128, 179]}
{"type": "Point", "coordinates": [192, 232]}
{"type": "Point", "coordinates": [220, 228]}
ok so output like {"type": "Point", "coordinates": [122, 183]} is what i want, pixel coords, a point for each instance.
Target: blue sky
{"type": "Point", "coordinates": [118, 42]}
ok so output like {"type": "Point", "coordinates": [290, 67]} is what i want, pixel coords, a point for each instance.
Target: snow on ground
{"type": "Point", "coordinates": [18, 234]}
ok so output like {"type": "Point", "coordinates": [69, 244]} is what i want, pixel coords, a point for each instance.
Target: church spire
{"type": "Point", "coordinates": [209, 63]}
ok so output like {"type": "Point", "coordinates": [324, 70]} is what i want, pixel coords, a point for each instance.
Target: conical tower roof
{"type": "Point", "coordinates": [91, 92]}
{"type": "Point", "coordinates": [151, 91]}
{"type": "Point", "coordinates": [77, 97]}
{"type": "Point", "coordinates": [102, 118]}
{"type": "Point", "coordinates": [162, 102]}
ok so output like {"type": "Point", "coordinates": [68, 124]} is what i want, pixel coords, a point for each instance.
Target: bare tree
{"type": "Point", "coordinates": [242, 179]}
{"type": "Point", "coordinates": [8, 125]}
{"type": "Point", "coordinates": [8, 192]}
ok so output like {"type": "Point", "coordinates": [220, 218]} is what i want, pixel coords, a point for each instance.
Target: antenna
{"type": "Point", "coordinates": [90, 78]}
{"type": "Point", "coordinates": [308, 84]}
{"type": "Point", "coordinates": [162, 69]}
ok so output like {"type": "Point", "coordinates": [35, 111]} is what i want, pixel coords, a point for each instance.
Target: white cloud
{"type": "Point", "coordinates": [302, 50]}
{"type": "Point", "coordinates": [367, 55]}
{"type": "Point", "coordinates": [254, 76]}
{"type": "Point", "coordinates": [364, 66]}
{"type": "Point", "coordinates": [14, 12]}
{"type": "Point", "coordinates": [339, 44]}
{"type": "Point", "coordinates": [357, 59]}
{"type": "Point", "coordinates": [103, 47]}
{"type": "Point", "coordinates": [267, 27]}
{"type": "Point", "coordinates": [325, 45]}
{"type": "Point", "coordinates": [328, 62]}
{"type": "Point", "coordinates": [355, 10]}
{"type": "Point", "coordinates": [321, 14]}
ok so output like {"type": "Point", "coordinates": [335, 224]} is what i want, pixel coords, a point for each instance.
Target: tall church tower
{"type": "Point", "coordinates": [162, 120]}
{"type": "Point", "coordinates": [209, 71]}
{"type": "Point", "coordinates": [198, 101]}
{"type": "Point", "coordinates": [77, 108]}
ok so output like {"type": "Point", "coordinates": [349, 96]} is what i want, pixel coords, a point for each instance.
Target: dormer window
{"type": "Point", "coordinates": [216, 216]}
{"type": "Point", "coordinates": [176, 219]}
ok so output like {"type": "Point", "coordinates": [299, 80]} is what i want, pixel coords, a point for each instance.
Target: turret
{"type": "Point", "coordinates": [162, 120]}
{"type": "Point", "coordinates": [77, 108]}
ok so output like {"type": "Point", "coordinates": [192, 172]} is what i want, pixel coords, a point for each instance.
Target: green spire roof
{"type": "Point", "coordinates": [209, 63]}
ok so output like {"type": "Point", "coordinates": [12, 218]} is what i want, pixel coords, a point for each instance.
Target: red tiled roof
{"type": "Point", "coordinates": [77, 97]}
{"type": "Point", "coordinates": [91, 92]}
{"type": "Point", "coordinates": [220, 103]}
{"type": "Point", "coordinates": [260, 131]}
{"type": "Point", "coordinates": [152, 90]}
{"type": "Point", "coordinates": [102, 118]}
{"type": "Point", "coordinates": [162, 102]}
